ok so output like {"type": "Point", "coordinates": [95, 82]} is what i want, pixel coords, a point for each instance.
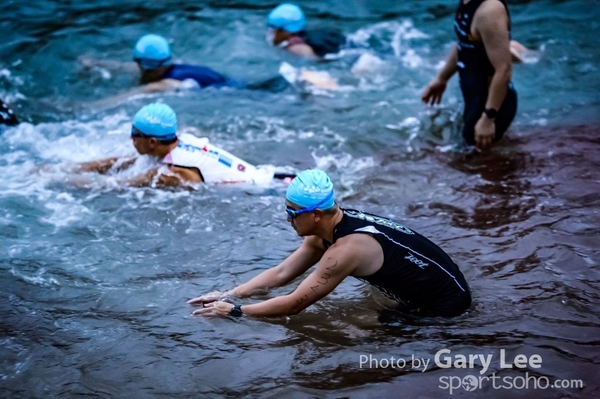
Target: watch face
{"type": "Point", "coordinates": [490, 112]}
{"type": "Point", "coordinates": [236, 311]}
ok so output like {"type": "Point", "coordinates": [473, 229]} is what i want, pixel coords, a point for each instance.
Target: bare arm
{"type": "Point", "coordinates": [102, 166]}
{"type": "Point", "coordinates": [333, 268]}
{"type": "Point", "coordinates": [435, 89]}
{"type": "Point", "coordinates": [491, 24]}
{"type": "Point", "coordinates": [353, 254]}
{"type": "Point", "coordinates": [89, 62]}
{"type": "Point", "coordinates": [517, 51]}
{"type": "Point", "coordinates": [177, 176]}
{"type": "Point", "coordinates": [303, 50]}
{"type": "Point", "coordinates": [293, 266]}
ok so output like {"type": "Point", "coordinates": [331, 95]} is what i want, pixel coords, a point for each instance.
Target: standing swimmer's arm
{"type": "Point", "coordinates": [491, 24]}
{"type": "Point", "coordinates": [435, 89]}
{"type": "Point", "coordinates": [293, 266]}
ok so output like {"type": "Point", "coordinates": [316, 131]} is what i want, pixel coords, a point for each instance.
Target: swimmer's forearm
{"type": "Point", "coordinates": [101, 166]}
{"type": "Point", "coordinates": [292, 267]}
{"type": "Point", "coordinates": [498, 88]}
{"type": "Point", "coordinates": [115, 65]}
{"type": "Point", "coordinates": [258, 285]}
{"type": "Point", "coordinates": [451, 67]}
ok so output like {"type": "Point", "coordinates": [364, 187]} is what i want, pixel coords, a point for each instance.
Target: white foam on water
{"type": "Point", "coordinates": [37, 278]}
{"type": "Point", "coordinates": [36, 162]}
{"type": "Point", "coordinates": [342, 161]}
{"type": "Point", "coordinates": [402, 32]}
{"type": "Point", "coordinates": [368, 64]}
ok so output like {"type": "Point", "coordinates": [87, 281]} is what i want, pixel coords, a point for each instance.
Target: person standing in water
{"type": "Point", "coordinates": [482, 58]}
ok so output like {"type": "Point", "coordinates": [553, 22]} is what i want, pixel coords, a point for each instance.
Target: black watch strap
{"type": "Point", "coordinates": [491, 112]}
{"type": "Point", "coordinates": [236, 311]}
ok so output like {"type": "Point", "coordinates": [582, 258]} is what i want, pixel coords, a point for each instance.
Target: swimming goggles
{"type": "Point", "coordinates": [135, 133]}
{"type": "Point", "coordinates": [149, 64]}
{"type": "Point", "coordinates": [293, 213]}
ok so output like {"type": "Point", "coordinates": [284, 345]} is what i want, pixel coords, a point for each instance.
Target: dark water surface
{"type": "Point", "coordinates": [94, 280]}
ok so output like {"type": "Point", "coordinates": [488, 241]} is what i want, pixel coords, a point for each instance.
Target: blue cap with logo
{"type": "Point", "coordinates": [288, 17]}
{"type": "Point", "coordinates": [152, 51]}
{"type": "Point", "coordinates": [311, 188]}
{"type": "Point", "coordinates": [156, 120]}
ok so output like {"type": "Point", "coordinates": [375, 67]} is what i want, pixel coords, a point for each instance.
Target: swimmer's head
{"type": "Point", "coordinates": [152, 51]}
{"type": "Point", "coordinates": [311, 189]}
{"type": "Point", "coordinates": [155, 120]}
{"type": "Point", "coordinates": [288, 17]}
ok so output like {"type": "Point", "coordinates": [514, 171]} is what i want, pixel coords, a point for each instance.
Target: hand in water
{"type": "Point", "coordinates": [206, 298]}
{"type": "Point", "coordinates": [433, 92]}
{"type": "Point", "coordinates": [485, 131]}
{"type": "Point", "coordinates": [217, 308]}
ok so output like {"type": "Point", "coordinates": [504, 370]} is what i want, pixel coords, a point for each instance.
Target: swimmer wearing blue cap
{"type": "Point", "coordinates": [152, 54]}
{"type": "Point", "coordinates": [403, 264]}
{"type": "Point", "coordinates": [158, 73]}
{"type": "Point", "coordinates": [287, 29]}
{"type": "Point", "coordinates": [181, 159]}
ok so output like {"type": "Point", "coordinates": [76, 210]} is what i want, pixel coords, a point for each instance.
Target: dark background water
{"type": "Point", "coordinates": [94, 281]}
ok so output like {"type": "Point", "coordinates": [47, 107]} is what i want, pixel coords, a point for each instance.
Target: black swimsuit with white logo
{"type": "Point", "coordinates": [415, 271]}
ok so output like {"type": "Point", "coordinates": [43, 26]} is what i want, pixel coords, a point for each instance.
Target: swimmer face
{"type": "Point", "coordinates": [141, 142]}
{"type": "Point", "coordinates": [299, 218]}
{"type": "Point", "coordinates": [141, 145]}
{"type": "Point", "coordinates": [151, 75]}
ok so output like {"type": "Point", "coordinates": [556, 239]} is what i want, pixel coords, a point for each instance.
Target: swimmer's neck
{"type": "Point", "coordinates": [162, 150]}
{"type": "Point", "coordinates": [325, 231]}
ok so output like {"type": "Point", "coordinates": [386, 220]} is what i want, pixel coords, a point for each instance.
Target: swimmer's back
{"type": "Point", "coordinates": [204, 76]}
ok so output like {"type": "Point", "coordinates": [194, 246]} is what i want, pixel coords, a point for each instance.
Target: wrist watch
{"type": "Point", "coordinates": [236, 311]}
{"type": "Point", "coordinates": [491, 112]}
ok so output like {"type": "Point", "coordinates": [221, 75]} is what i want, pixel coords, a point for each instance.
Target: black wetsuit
{"type": "Point", "coordinates": [475, 71]}
{"type": "Point", "coordinates": [323, 41]}
{"type": "Point", "coordinates": [415, 271]}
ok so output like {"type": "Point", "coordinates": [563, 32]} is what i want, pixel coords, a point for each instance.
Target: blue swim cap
{"type": "Point", "coordinates": [288, 17]}
{"type": "Point", "coordinates": [310, 188]}
{"type": "Point", "coordinates": [156, 120]}
{"type": "Point", "coordinates": [152, 51]}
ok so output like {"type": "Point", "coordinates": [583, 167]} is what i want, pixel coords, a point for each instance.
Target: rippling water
{"type": "Point", "coordinates": [94, 280]}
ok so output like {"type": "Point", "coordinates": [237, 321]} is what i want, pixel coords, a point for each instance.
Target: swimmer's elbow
{"type": "Point", "coordinates": [504, 71]}
{"type": "Point", "coordinates": [294, 308]}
